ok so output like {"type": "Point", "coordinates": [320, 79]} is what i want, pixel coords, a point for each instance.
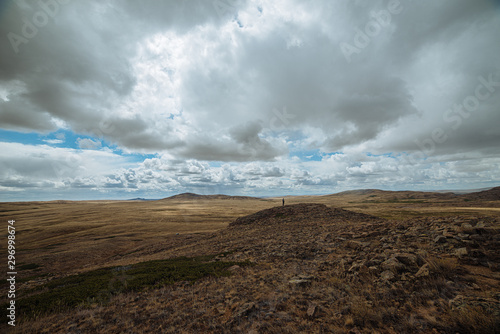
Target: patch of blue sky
{"type": "Point", "coordinates": [64, 139]}
{"type": "Point", "coordinates": [67, 139]}
{"type": "Point", "coordinates": [312, 155]}
{"type": "Point", "coordinates": [138, 157]}
{"type": "Point", "coordinates": [30, 138]}
{"type": "Point", "coordinates": [308, 155]}
{"type": "Point", "coordinates": [388, 155]}
{"type": "Point", "coordinates": [412, 157]}
{"type": "Point", "coordinates": [215, 163]}
{"type": "Point", "coordinates": [60, 138]}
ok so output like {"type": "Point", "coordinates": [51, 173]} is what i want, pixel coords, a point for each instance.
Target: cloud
{"type": "Point", "coordinates": [88, 144]}
{"type": "Point", "coordinates": [96, 173]}
{"type": "Point", "coordinates": [249, 85]}
{"type": "Point", "coordinates": [40, 163]}
{"type": "Point", "coordinates": [53, 141]}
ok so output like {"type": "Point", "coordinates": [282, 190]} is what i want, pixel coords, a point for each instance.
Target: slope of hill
{"type": "Point", "coordinates": [298, 213]}
{"type": "Point", "coordinates": [374, 194]}
{"type": "Point", "coordinates": [192, 196]}
{"type": "Point", "coordinates": [485, 195]}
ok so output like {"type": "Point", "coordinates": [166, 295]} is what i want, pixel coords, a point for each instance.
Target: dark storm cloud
{"type": "Point", "coordinates": [244, 144]}
{"type": "Point", "coordinates": [77, 68]}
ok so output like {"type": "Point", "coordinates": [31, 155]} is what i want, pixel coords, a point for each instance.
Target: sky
{"type": "Point", "coordinates": [124, 99]}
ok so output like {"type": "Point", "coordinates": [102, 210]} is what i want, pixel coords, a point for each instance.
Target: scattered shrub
{"type": "Point", "coordinates": [97, 286]}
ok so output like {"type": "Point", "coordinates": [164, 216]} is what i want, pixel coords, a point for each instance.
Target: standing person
{"type": "Point", "coordinates": [283, 202]}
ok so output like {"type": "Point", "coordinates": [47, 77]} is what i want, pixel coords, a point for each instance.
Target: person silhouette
{"type": "Point", "coordinates": [283, 202]}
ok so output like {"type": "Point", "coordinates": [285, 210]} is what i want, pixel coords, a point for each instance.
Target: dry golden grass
{"type": "Point", "coordinates": [475, 320]}
{"type": "Point", "coordinates": [64, 238]}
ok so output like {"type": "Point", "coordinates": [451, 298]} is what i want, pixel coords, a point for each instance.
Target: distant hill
{"type": "Point", "coordinates": [485, 195]}
{"type": "Point", "coordinates": [141, 199]}
{"type": "Point", "coordinates": [364, 194]}
{"type": "Point", "coordinates": [359, 192]}
{"type": "Point", "coordinates": [193, 196]}
{"type": "Point", "coordinates": [375, 194]}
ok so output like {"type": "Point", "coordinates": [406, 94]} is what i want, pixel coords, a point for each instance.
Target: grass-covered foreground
{"type": "Point", "coordinates": [99, 285]}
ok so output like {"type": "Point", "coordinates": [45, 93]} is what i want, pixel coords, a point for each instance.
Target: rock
{"type": "Point", "coordinates": [440, 239]}
{"type": "Point", "coordinates": [407, 277]}
{"type": "Point", "coordinates": [246, 309]}
{"type": "Point", "coordinates": [359, 268]}
{"type": "Point", "coordinates": [312, 310]}
{"type": "Point", "coordinates": [393, 265]}
{"type": "Point", "coordinates": [494, 266]}
{"type": "Point", "coordinates": [477, 253]}
{"type": "Point", "coordinates": [353, 244]}
{"type": "Point", "coordinates": [476, 237]}
{"type": "Point", "coordinates": [283, 316]}
{"type": "Point", "coordinates": [234, 268]}
{"type": "Point", "coordinates": [461, 252]}
{"type": "Point", "coordinates": [406, 259]}
{"type": "Point", "coordinates": [373, 262]}
{"type": "Point", "coordinates": [424, 271]}
{"type": "Point", "coordinates": [301, 280]}
{"type": "Point", "coordinates": [466, 227]}
{"type": "Point", "coordinates": [456, 302]}
{"type": "Point", "coordinates": [387, 275]}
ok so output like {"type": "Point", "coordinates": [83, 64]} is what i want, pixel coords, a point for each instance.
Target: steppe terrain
{"type": "Point", "coordinates": [365, 261]}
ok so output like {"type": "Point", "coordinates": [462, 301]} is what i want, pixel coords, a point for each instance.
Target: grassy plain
{"type": "Point", "coordinates": [58, 241]}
